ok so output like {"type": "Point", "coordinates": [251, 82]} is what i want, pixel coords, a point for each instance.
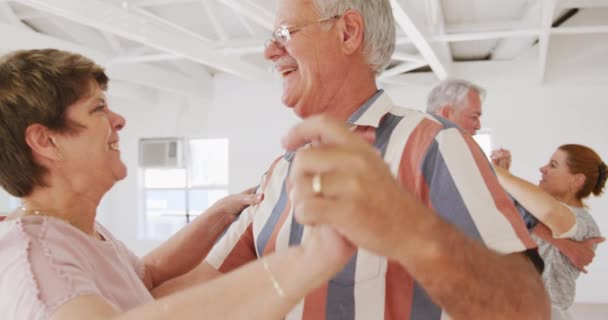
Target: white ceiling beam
{"type": "Point", "coordinates": [437, 19]}
{"type": "Point", "coordinates": [459, 37]}
{"type": "Point", "coordinates": [490, 26]}
{"type": "Point", "coordinates": [400, 56]}
{"type": "Point", "coordinates": [251, 11]}
{"type": "Point", "coordinates": [195, 71]}
{"type": "Point", "coordinates": [411, 27]}
{"type": "Point", "coordinates": [569, 4]}
{"type": "Point", "coordinates": [145, 75]}
{"type": "Point", "coordinates": [145, 58]}
{"type": "Point", "coordinates": [158, 3]}
{"type": "Point", "coordinates": [580, 30]}
{"type": "Point", "coordinates": [401, 68]}
{"type": "Point", "coordinates": [32, 15]}
{"type": "Point", "coordinates": [9, 16]}
{"type": "Point", "coordinates": [505, 34]}
{"type": "Point", "coordinates": [245, 24]}
{"type": "Point", "coordinates": [146, 30]}
{"type": "Point", "coordinates": [217, 25]}
{"type": "Point", "coordinates": [507, 48]}
{"type": "Point", "coordinates": [547, 13]}
{"type": "Point", "coordinates": [113, 41]}
{"type": "Point", "coordinates": [81, 34]}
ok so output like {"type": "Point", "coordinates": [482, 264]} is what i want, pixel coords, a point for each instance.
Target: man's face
{"type": "Point", "coordinates": [309, 62]}
{"type": "Point", "coordinates": [468, 115]}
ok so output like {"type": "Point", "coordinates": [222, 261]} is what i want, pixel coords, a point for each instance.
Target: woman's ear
{"type": "Point", "coordinates": [352, 31]}
{"type": "Point", "coordinates": [578, 181]}
{"type": "Point", "coordinates": [42, 142]}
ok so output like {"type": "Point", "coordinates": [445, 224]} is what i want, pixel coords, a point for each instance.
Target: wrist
{"type": "Point", "coordinates": [419, 242]}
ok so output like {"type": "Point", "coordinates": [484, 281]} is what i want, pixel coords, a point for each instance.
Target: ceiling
{"type": "Point", "coordinates": [166, 44]}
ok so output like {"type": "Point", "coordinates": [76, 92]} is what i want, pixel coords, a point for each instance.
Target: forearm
{"type": "Point", "coordinates": [186, 249]}
{"type": "Point", "coordinates": [468, 280]}
{"type": "Point", "coordinates": [537, 201]}
{"type": "Point", "coordinates": [247, 293]}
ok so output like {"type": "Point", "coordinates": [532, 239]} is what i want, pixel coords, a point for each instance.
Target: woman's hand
{"type": "Point", "coordinates": [231, 206]}
{"type": "Point", "coordinates": [325, 247]}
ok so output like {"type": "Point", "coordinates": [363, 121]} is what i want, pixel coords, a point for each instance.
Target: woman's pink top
{"type": "Point", "coordinates": [46, 262]}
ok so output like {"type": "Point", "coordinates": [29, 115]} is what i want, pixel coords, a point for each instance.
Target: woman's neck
{"type": "Point", "coordinates": [571, 200]}
{"type": "Point", "coordinates": [75, 209]}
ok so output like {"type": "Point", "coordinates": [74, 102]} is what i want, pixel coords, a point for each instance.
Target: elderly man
{"type": "Point", "coordinates": [455, 244]}
{"type": "Point", "coordinates": [458, 101]}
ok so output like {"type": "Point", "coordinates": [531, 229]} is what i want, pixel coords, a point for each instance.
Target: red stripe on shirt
{"type": "Point", "coordinates": [243, 252]}
{"type": "Point", "coordinates": [399, 293]}
{"type": "Point", "coordinates": [315, 304]}
{"type": "Point", "coordinates": [410, 174]}
{"type": "Point", "coordinates": [502, 201]}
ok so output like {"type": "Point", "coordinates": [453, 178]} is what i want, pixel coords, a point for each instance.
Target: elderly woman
{"type": "Point", "coordinates": [573, 173]}
{"type": "Point", "coordinates": [59, 149]}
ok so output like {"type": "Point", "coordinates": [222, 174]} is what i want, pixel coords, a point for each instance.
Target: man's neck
{"type": "Point", "coordinates": [358, 87]}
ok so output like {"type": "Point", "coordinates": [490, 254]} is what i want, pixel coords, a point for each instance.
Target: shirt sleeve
{"type": "Point", "coordinates": [453, 176]}
{"type": "Point", "coordinates": [41, 277]}
{"type": "Point", "coordinates": [236, 247]}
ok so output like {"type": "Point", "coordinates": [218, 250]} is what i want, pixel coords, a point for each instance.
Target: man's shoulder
{"type": "Point", "coordinates": [414, 119]}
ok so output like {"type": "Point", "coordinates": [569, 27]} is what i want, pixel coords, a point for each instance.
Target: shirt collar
{"type": "Point", "coordinates": [372, 111]}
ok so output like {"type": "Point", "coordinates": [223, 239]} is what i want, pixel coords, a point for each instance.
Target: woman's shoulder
{"type": "Point", "coordinates": [586, 224]}
{"type": "Point", "coordinates": [35, 228]}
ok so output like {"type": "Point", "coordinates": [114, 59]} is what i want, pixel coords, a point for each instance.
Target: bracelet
{"type": "Point", "coordinates": [275, 283]}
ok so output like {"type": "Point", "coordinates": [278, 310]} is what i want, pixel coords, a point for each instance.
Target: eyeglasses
{"type": "Point", "coordinates": [283, 33]}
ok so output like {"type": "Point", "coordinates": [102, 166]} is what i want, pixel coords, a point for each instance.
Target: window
{"type": "Point", "coordinates": [177, 193]}
{"type": "Point", "coordinates": [484, 140]}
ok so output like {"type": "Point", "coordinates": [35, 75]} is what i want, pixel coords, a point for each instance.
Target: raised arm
{"type": "Point", "coordinates": [188, 247]}
{"type": "Point", "coordinates": [264, 289]}
{"type": "Point", "coordinates": [555, 215]}
{"type": "Point", "coordinates": [361, 198]}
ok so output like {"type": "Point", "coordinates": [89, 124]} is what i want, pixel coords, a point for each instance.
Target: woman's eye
{"type": "Point", "coordinates": [100, 107]}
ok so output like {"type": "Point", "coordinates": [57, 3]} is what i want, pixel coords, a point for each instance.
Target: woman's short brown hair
{"type": "Point", "coordinates": [37, 86]}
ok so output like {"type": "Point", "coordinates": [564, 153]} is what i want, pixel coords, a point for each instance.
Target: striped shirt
{"type": "Point", "coordinates": [432, 159]}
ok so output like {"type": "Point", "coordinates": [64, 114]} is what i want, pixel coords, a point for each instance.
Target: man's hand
{"type": "Point", "coordinates": [358, 194]}
{"type": "Point", "coordinates": [580, 253]}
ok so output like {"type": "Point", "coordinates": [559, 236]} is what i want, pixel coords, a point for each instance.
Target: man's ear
{"type": "Point", "coordinates": [446, 111]}
{"type": "Point", "coordinates": [40, 139]}
{"type": "Point", "coordinates": [352, 31]}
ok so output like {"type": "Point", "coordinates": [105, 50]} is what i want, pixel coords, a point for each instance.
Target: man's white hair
{"type": "Point", "coordinates": [452, 92]}
{"type": "Point", "coordinates": [379, 32]}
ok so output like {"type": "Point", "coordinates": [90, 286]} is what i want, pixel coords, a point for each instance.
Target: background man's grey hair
{"type": "Point", "coordinates": [379, 37]}
{"type": "Point", "coordinates": [453, 92]}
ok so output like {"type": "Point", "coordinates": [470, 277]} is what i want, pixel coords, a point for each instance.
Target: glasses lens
{"type": "Point", "coordinates": [282, 34]}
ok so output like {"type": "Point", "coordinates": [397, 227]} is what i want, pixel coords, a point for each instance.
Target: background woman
{"type": "Point", "coordinates": [573, 173]}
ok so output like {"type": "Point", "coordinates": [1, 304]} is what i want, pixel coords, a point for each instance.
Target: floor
{"type": "Point", "coordinates": [590, 311]}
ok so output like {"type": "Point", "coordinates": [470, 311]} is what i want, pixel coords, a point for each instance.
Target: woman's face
{"type": "Point", "coordinates": [556, 176]}
{"type": "Point", "coordinates": [90, 154]}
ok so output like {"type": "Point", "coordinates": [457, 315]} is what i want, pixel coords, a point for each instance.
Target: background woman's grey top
{"type": "Point", "coordinates": [560, 275]}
